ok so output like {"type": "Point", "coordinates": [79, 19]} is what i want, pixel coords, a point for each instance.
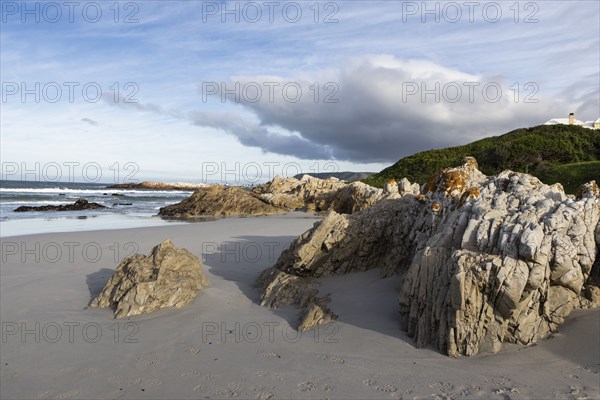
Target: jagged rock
{"type": "Point", "coordinates": [588, 190]}
{"type": "Point", "coordinates": [167, 277]}
{"type": "Point", "coordinates": [355, 197]}
{"type": "Point", "coordinates": [405, 187]}
{"type": "Point", "coordinates": [217, 200]}
{"type": "Point", "coordinates": [483, 260]}
{"type": "Point", "coordinates": [77, 206]}
{"type": "Point", "coordinates": [315, 315]}
{"type": "Point", "coordinates": [283, 289]}
{"type": "Point", "coordinates": [391, 187]}
{"type": "Point", "coordinates": [307, 193]}
{"type": "Point", "coordinates": [282, 195]}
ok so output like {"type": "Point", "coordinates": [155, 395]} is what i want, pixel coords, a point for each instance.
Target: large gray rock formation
{"type": "Point", "coordinates": [279, 196]}
{"type": "Point", "coordinates": [355, 197]}
{"type": "Point", "coordinates": [483, 260]}
{"type": "Point", "coordinates": [167, 277]}
{"type": "Point", "coordinates": [307, 193]}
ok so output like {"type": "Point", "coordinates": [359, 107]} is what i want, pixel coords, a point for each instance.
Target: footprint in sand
{"type": "Point", "coordinates": [332, 359]}
{"type": "Point", "coordinates": [67, 395]}
{"type": "Point", "coordinates": [143, 382]}
{"type": "Point", "coordinates": [447, 390]}
{"type": "Point", "coordinates": [193, 351]}
{"type": "Point", "coordinates": [498, 381]}
{"type": "Point", "coordinates": [387, 388]}
{"type": "Point", "coordinates": [199, 388]}
{"type": "Point", "coordinates": [209, 377]}
{"type": "Point", "coordinates": [307, 386]}
{"type": "Point", "coordinates": [153, 363]}
{"type": "Point", "coordinates": [574, 389]}
{"type": "Point", "coordinates": [87, 371]}
{"type": "Point", "coordinates": [328, 388]}
{"type": "Point", "coordinates": [265, 396]}
{"type": "Point", "coordinates": [44, 395]}
{"type": "Point", "coordinates": [237, 386]}
{"type": "Point", "coordinates": [227, 392]}
{"type": "Point", "coordinates": [271, 355]}
{"type": "Point", "coordinates": [505, 390]}
{"type": "Point", "coordinates": [370, 382]}
{"type": "Point", "coordinates": [410, 389]}
{"type": "Point", "coordinates": [190, 373]}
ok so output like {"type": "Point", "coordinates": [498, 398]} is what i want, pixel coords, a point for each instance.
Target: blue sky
{"type": "Point", "coordinates": [366, 57]}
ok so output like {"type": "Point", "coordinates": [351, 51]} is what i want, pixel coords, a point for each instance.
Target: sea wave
{"type": "Point", "coordinates": [29, 203]}
{"type": "Point", "coordinates": [91, 192]}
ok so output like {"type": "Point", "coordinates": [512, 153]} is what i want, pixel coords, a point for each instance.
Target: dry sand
{"type": "Point", "coordinates": [224, 345]}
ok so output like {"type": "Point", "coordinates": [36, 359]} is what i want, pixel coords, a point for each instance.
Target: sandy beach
{"type": "Point", "coordinates": [224, 345]}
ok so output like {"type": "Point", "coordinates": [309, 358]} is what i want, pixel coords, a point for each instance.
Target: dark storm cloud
{"type": "Point", "coordinates": [377, 118]}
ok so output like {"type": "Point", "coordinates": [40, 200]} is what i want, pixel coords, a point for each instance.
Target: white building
{"type": "Point", "coordinates": [572, 121]}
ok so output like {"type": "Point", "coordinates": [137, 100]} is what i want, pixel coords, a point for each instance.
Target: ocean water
{"type": "Point", "coordinates": [126, 208]}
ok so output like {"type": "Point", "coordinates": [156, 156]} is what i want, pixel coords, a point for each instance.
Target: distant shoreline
{"type": "Point", "coordinates": [159, 186]}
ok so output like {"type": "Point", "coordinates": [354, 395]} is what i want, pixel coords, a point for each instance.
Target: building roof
{"type": "Point", "coordinates": [565, 121]}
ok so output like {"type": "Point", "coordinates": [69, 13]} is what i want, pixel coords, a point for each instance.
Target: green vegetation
{"type": "Point", "coordinates": [571, 175]}
{"type": "Point", "coordinates": [554, 153]}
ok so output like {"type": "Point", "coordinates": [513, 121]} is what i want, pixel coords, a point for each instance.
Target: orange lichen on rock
{"type": "Point", "coordinates": [447, 181]}
{"type": "Point", "coordinates": [432, 183]}
{"type": "Point", "coordinates": [471, 192]}
{"type": "Point", "coordinates": [454, 180]}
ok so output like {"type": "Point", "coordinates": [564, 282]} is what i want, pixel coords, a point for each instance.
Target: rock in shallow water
{"type": "Point", "coordinates": [167, 277]}
{"type": "Point", "coordinates": [77, 206]}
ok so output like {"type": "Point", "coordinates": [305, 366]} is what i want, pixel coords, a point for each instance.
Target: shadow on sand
{"type": "Point", "coordinates": [96, 281]}
{"type": "Point", "coordinates": [362, 299]}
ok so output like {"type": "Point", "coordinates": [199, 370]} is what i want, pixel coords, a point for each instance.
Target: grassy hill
{"type": "Point", "coordinates": [554, 153]}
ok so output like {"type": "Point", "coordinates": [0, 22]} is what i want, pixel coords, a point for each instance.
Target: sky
{"type": "Point", "coordinates": [240, 91]}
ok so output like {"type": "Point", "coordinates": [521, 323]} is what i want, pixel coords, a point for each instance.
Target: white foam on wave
{"type": "Point", "coordinates": [100, 192]}
{"type": "Point", "coordinates": [29, 203]}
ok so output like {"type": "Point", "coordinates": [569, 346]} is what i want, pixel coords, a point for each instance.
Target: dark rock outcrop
{"type": "Point", "coordinates": [216, 200]}
{"type": "Point", "coordinates": [77, 206]}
